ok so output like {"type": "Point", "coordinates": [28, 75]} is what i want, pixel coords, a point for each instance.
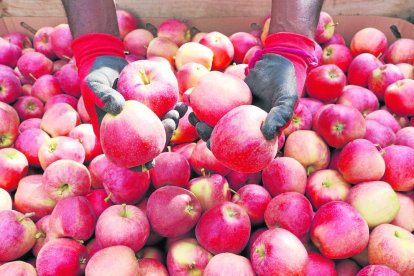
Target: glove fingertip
{"type": "Point", "coordinates": [204, 131]}
{"type": "Point", "coordinates": [181, 108]}
{"type": "Point", "coordinates": [193, 119]}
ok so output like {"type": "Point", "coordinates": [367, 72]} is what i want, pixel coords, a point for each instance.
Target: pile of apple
{"type": "Point", "coordinates": [332, 195]}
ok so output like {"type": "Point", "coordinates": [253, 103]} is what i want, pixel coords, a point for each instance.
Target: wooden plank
{"type": "Point", "coordinates": [189, 9]}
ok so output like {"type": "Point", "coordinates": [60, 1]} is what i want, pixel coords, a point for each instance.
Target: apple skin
{"type": "Point", "coordinates": [19, 39]}
{"type": "Point", "coordinates": [189, 74]}
{"type": "Point", "coordinates": [399, 172]}
{"type": "Point", "coordinates": [45, 87]}
{"type": "Point", "coordinates": [136, 41]}
{"type": "Point", "coordinates": [325, 186]}
{"type": "Point", "coordinates": [9, 127]}
{"type": "Point", "coordinates": [232, 229]}
{"type": "Point", "coordinates": [85, 135]}
{"type": "Point", "coordinates": [68, 79]}
{"type": "Point", "coordinates": [404, 217]}
{"type": "Point", "coordinates": [360, 98]}
{"type": "Point", "coordinates": [339, 231]}
{"type": "Point", "coordinates": [284, 174]}
{"type": "Point", "coordinates": [59, 120]}
{"type": "Point", "coordinates": [145, 132]}
{"type": "Point", "coordinates": [61, 257]}
{"type": "Point", "coordinates": [377, 270]}
{"type": "Point", "coordinates": [194, 52]}
{"type": "Point", "coordinates": [222, 47]}
{"type": "Point", "coordinates": [126, 22]}
{"type": "Point", "coordinates": [171, 169]}
{"type": "Point", "coordinates": [309, 149]}
{"type": "Point", "coordinates": [61, 40]}
{"type": "Point", "coordinates": [175, 30]}
{"type": "Point", "coordinates": [29, 143]}
{"type": "Point", "coordinates": [83, 114]}
{"type": "Point", "coordinates": [361, 68]}
{"type": "Point", "coordinates": [154, 237]}
{"type": "Point", "coordinates": [10, 53]}
{"type": "Point", "coordinates": [42, 44]}
{"type": "Point", "coordinates": [5, 200]}
{"type": "Point", "coordinates": [278, 252]}
{"type": "Point", "coordinates": [392, 246]}
{"type": "Point", "coordinates": [313, 105]}
{"type": "Point", "coordinates": [254, 199]}
{"type": "Point", "coordinates": [185, 149]}
{"type": "Point", "coordinates": [185, 131]}
{"type": "Point", "coordinates": [400, 51]}
{"type": "Point", "coordinates": [13, 167]}
{"type": "Point", "coordinates": [229, 264]}
{"type": "Point", "coordinates": [99, 201]}
{"type": "Point", "coordinates": [151, 267]}
{"type": "Point", "coordinates": [28, 124]}
{"type": "Point", "coordinates": [162, 47]}
{"type": "Point", "coordinates": [319, 265]}
{"type": "Point", "coordinates": [405, 137]}
{"type": "Point", "coordinates": [325, 28]}
{"type": "Point", "coordinates": [301, 119]}
{"type": "Point", "coordinates": [28, 107]}
{"type": "Point", "coordinates": [10, 87]}
{"type": "Point", "coordinates": [122, 225]}
{"type": "Point", "coordinates": [368, 40]}
{"type": "Point", "coordinates": [18, 268]}
{"type": "Point", "coordinates": [202, 159]}
{"type": "Point", "coordinates": [385, 118]}
{"type": "Point", "coordinates": [18, 235]}
{"type": "Point", "coordinates": [234, 151]}
{"type": "Point", "coordinates": [407, 70]}
{"type": "Point", "coordinates": [399, 97]}
{"type": "Point", "coordinates": [237, 70]}
{"type": "Point", "coordinates": [34, 65]}
{"type": "Point", "coordinates": [242, 43]}
{"type": "Point", "coordinates": [181, 211]}
{"type": "Point", "coordinates": [347, 267]}
{"type": "Point", "coordinates": [237, 180]}
{"type": "Point", "coordinates": [382, 77]}
{"type": "Point", "coordinates": [360, 161]}
{"type": "Point", "coordinates": [335, 39]}
{"type": "Point", "coordinates": [337, 54]}
{"type": "Point", "coordinates": [150, 252]}
{"type": "Point", "coordinates": [187, 257]}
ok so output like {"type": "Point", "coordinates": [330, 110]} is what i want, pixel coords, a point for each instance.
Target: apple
{"type": "Point", "coordinates": [150, 252]}
{"type": "Point", "coordinates": [339, 231]}
{"type": "Point", "coordinates": [347, 267]}
{"type": "Point", "coordinates": [254, 199]}
{"type": "Point", "coordinates": [154, 237]}
{"type": "Point", "coordinates": [337, 39]}
{"type": "Point", "coordinates": [9, 53]}
{"type": "Point", "coordinates": [189, 74]}
{"type": "Point", "coordinates": [392, 246]}
{"type": "Point", "coordinates": [405, 137]}
{"type": "Point", "coordinates": [198, 36]}
{"type": "Point", "coordinates": [28, 107]}
{"type": "Point", "coordinates": [400, 51]}
{"type": "Point", "coordinates": [19, 39]}
{"type": "Point", "coordinates": [313, 105]}
{"type": "Point", "coordinates": [301, 119]}
{"type": "Point", "coordinates": [5, 200]}
{"type": "Point", "coordinates": [31, 197]}
{"type": "Point", "coordinates": [309, 149]}
{"type": "Point", "coordinates": [360, 98]}
{"type": "Point", "coordinates": [319, 265]}
{"type": "Point", "coordinates": [27, 89]}
{"type": "Point", "coordinates": [83, 113]}
{"type": "Point", "coordinates": [231, 226]}
{"type": "Point", "coordinates": [361, 68]}
{"type": "Point", "coordinates": [377, 270]}
{"type": "Point", "coordinates": [59, 120]}
{"type": "Point", "coordinates": [222, 47]}
{"type": "Point", "coordinates": [162, 47]}
{"type": "Point", "coordinates": [57, 64]}
{"type": "Point", "coordinates": [28, 124]}
{"type": "Point", "coordinates": [284, 174]}
{"type": "Point", "coordinates": [360, 161]}
{"type": "Point", "coordinates": [399, 96]}
{"type": "Point", "coordinates": [18, 234]}
{"type": "Point", "coordinates": [85, 135]}
{"type": "Point", "coordinates": [399, 172]}
{"type": "Point", "coordinates": [278, 251]}
{"type": "Point", "coordinates": [185, 131]}
{"type": "Point", "coordinates": [337, 54]}
{"type": "Point", "coordinates": [18, 268]}
{"type": "Point", "coordinates": [136, 41]}
{"type": "Point", "coordinates": [385, 118]}
{"type": "Point", "coordinates": [202, 159]}
{"type": "Point", "coordinates": [237, 180]}
{"type": "Point", "coordinates": [29, 142]}
{"type": "Point", "coordinates": [185, 149]}
{"type": "Point", "coordinates": [43, 235]}
{"type": "Point", "coordinates": [242, 42]}
{"type": "Point", "coordinates": [34, 65]}
{"type": "Point", "coordinates": [382, 77]}
{"type": "Point", "coordinates": [92, 247]}
{"type": "Point", "coordinates": [404, 217]}
{"type": "Point", "coordinates": [325, 186]}
{"type": "Point", "coordinates": [325, 82]}
{"type": "Point", "coordinates": [368, 40]}
{"type": "Point", "coordinates": [45, 87]}
{"type": "Point", "coordinates": [68, 79]}
{"type": "Point", "coordinates": [10, 88]}
{"type": "Point", "coordinates": [96, 168]}
{"type": "Point", "coordinates": [99, 201]}
{"type": "Point", "coordinates": [229, 264]}
{"type": "Point", "coordinates": [13, 167]}
{"type": "Point", "coordinates": [61, 40]}
{"type": "Point", "coordinates": [171, 169]}
{"type": "Point", "coordinates": [194, 52]}
{"type": "Point", "coordinates": [325, 28]}
{"type": "Point", "coordinates": [237, 70]}
{"type": "Point", "coordinates": [145, 132]}
{"type": "Point", "coordinates": [151, 267]}
{"type": "Point", "coordinates": [126, 22]}
{"type": "Point", "coordinates": [122, 225]}
{"type": "Point", "coordinates": [175, 30]}
{"type": "Point", "coordinates": [187, 257]}
{"type": "Point", "coordinates": [61, 256]}
{"type": "Point", "coordinates": [42, 44]}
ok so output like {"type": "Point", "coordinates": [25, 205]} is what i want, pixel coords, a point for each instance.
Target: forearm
{"type": "Point", "coordinates": [295, 16]}
{"type": "Point", "coordinates": [91, 16]}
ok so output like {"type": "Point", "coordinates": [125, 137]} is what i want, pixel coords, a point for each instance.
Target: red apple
{"type": "Point", "coordinates": [347, 267]}
{"type": "Point", "coordinates": [99, 201]}
{"type": "Point", "coordinates": [10, 88]}
{"type": "Point", "coordinates": [194, 52]}
{"type": "Point", "coordinates": [162, 47]}
{"type": "Point", "coordinates": [185, 149]}
{"type": "Point", "coordinates": [126, 22]}
{"type": "Point", "coordinates": [57, 64]}
{"type": "Point", "coordinates": [151, 267]}
{"type": "Point", "coordinates": [377, 270]}
{"type": "Point", "coordinates": [229, 264]}
{"type": "Point", "coordinates": [385, 118]}
{"type": "Point", "coordinates": [325, 82]}
{"type": "Point", "coordinates": [5, 200]}
{"type": "Point", "coordinates": [68, 79]}
{"type": "Point", "coordinates": [202, 159]}
{"type": "Point", "coordinates": [382, 77]}
{"type": "Point", "coordinates": [175, 30]}
{"type": "Point", "coordinates": [61, 40]}
{"type": "Point", "coordinates": [28, 124]}
{"type": "Point", "coordinates": [18, 268]}
{"type": "Point", "coordinates": [28, 107]}
{"type": "Point", "coordinates": [43, 235]}
{"type": "Point", "coordinates": [150, 252]}
{"type": "Point", "coordinates": [83, 113]}
{"type": "Point", "coordinates": [237, 180]}
{"type": "Point", "coordinates": [9, 53]}
{"type": "Point", "coordinates": [242, 42]}
{"type": "Point", "coordinates": [60, 120]}
{"type": "Point", "coordinates": [189, 74]}
{"type": "Point", "coordinates": [136, 41]}
{"type": "Point", "coordinates": [222, 47]}
{"type": "Point", "coordinates": [85, 135]}
{"type": "Point", "coordinates": [361, 68]}
{"type": "Point", "coordinates": [185, 131]}
{"type": "Point", "coordinates": [399, 172]}
{"type": "Point", "coordinates": [171, 169]}
{"type": "Point", "coordinates": [13, 166]}
{"type": "Point", "coordinates": [301, 119]}
{"type": "Point", "coordinates": [368, 40]}
{"type": "Point", "coordinates": [34, 65]}
{"type": "Point", "coordinates": [27, 89]}
{"type": "Point", "coordinates": [405, 137]}
{"type": "Point", "coordinates": [404, 217]}
{"type": "Point", "coordinates": [337, 54]}
{"type": "Point", "coordinates": [313, 105]}
{"type": "Point", "coordinates": [319, 265]}
{"type": "Point", "coordinates": [399, 51]}
{"type": "Point", "coordinates": [45, 87]}
{"type": "Point", "coordinates": [96, 168]}
{"type": "Point", "coordinates": [360, 98]}
{"type": "Point", "coordinates": [154, 237]}
{"type": "Point", "coordinates": [407, 70]}
{"type": "Point", "coordinates": [325, 28]}
{"type": "Point", "coordinates": [399, 97]}
{"type": "Point", "coordinates": [42, 44]}
{"type": "Point", "coordinates": [337, 39]}
{"type": "Point", "coordinates": [237, 70]}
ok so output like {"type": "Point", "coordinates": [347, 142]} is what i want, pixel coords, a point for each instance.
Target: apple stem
{"type": "Point", "coordinates": [39, 235]}
{"type": "Point", "coordinates": [126, 52]}
{"type": "Point", "coordinates": [64, 56]}
{"type": "Point", "coordinates": [203, 172]}
{"type": "Point", "coordinates": [108, 197]}
{"type": "Point", "coordinates": [82, 260]}
{"type": "Point", "coordinates": [33, 77]}
{"type": "Point", "coordinates": [309, 170]}
{"type": "Point", "coordinates": [169, 148]}
{"type": "Point", "coordinates": [144, 77]}
{"type": "Point", "coordinates": [28, 27]}
{"type": "Point", "coordinates": [124, 210]}
{"type": "Point", "coordinates": [380, 55]}
{"type": "Point", "coordinates": [381, 150]}
{"type": "Point", "coordinates": [27, 215]}
{"type": "Point", "coordinates": [234, 192]}
{"type": "Point", "coordinates": [80, 241]}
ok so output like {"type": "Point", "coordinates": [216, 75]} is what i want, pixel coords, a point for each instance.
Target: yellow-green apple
{"type": "Point", "coordinates": [185, 149]}
{"type": "Point", "coordinates": [5, 200]}
{"type": "Point", "coordinates": [376, 201]}
{"type": "Point", "coordinates": [68, 79]}
{"type": "Point", "coordinates": [73, 217]}
{"type": "Point", "coordinates": [325, 28]}
{"type": "Point", "coordinates": [61, 256]}
{"type": "Point", "coordinates": [320, 265]}
{"type": "Point", "coordinates": [171, 169]}
{"type": "Point", "coordinates": [361, 68]}
{"type": "Point", "coordinates": [360, 161]}
{"type": "Point", "coordinates": [61, 40]}
{"type": "Point", "coordinates": [368, 40]}
{"type": "Point", "coordinates": [242, 42]}
{"type": "Point", "coordinates": [58, 148]}
{"type": "Point", "coordinates": [392, 246]}
{"type": "Point", "coordinates": [10, 125]}
{"type": "Point", "coordinates": [405, 137]}
{"type": "Point", "coordinates": [41, 42]}
{"type": "Point", "coordinates": [301, 119]}
{"type": "Point", "coordinates": [19, 233]}
{"type": "Point", "coordinates": [13, 167]}
{"type": "Point", "coordinates": [145, 131]}
{"type": "Point", "coordinates": [122, 225]}
{"type": "Point", "coordinates": [325, 186]}
{"type": "Point", "coordinates": [234, 151]}
{"type": "Point", "coordinates": [175, 30]}
{"type": "Point", "coordinates": [377, 270]}
{"type": "Point", "coordinates": [10, 87]}
{"type": "Point", "coordinates": [347, 267]}
{"type": "Point", "coordinates": [254, 199]}
{"type": "Point", "coordinates": [339, 124]}
{"type": "Point", "coordinates": [162, 47]}
{"type": "Point", "coordinates": [17, 268]}
{"type": "Point", "coordinates": [187, 257]}
{"type": "Point", "coordinates": [399, 171]}
{"type": "Point", "coordinates": [291, 211]}
{"type": "Point", "coordinates": [29, 142]}
{"type": "Point", "coordinates": [231, 226]}
{"type": "Point", "coordinates": [10, 53]}
{"type": "Point", "coordinates": [385, 118]}
{"type": "Point", "coordinates": [181, 211]}
{"type": "Point", "coordinates": [335, 39]}
{"type": "Point", "coordinates": [278, 252]}
{"type": "Point", "coordinates": [284, 174]}
{"type": "Point", "coordinates": [309, 149]}
{"type": "Point", "coordinates": [126, 22]}
{"type": "Point", "coordinates": [400, 51]}
{"type": "Point", "coordinates": [148, 266]}
{"type": "Point", "coordinates": [339, 231]}
{"type": "Point", "coordinates": [34, 65]}
{"type": "Point", "coordinates": [28, 124]}
{"type": "Point", "coordinates": [189, 74]}
{"type": "Point", "coordinates": [136, 41]}
{"type": "Point", "coordinates": [85, 135]}
{"type": "Point", "coordinates": [28, 107]}
{"type": "Point", "coordinates": [194, 52]}
{"type": "Point", "coordinates": [66, 178]}
{"type": "Point", "coordinates": [405, 217]}
{"type": "Point", "coordinates": [222, 47]}
{"type": "Point", "coordinates": [124, 185]}
{"type": "Point", "coordinates": [379, 134]}
{"type": "Point", "coordinates": [399, 97]}
{"type": "Point", "coordinates": [45, 87]}
{"type": "Point", "coordinates": [99, 201]}
{"type": "Point", "coordinates": [185, 131]}
{"type": "Point", "coordinates": [31, 197]}
{"type": "Point", "coordinates": [83, 113]}
{"type": "Point", "coordinates": [407, 70]}
{"type": "Point", "coordinates": [325, 82]}
{"type": "Point", "coordinates": [210, 190]}
{"type": "Point", "coordinates": [229, 264]}
{"type": "Point", "coordinates": [237, 70]}
{"type": "Point", "coordinates": [202, 159]}
{"type": "Point", "coordinates": [337, 54]}
{"type": "Point", "coordinates": [59, 120]}
{"type": "Point", "coordinates": [237, 180]}
{"type": "Point", "coordinates": [359, 97]}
